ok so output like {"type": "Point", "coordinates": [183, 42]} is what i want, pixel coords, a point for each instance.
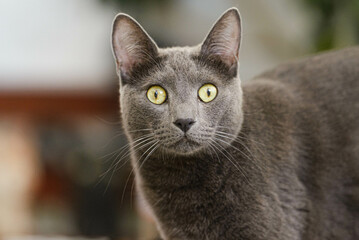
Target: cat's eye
{"type": "Point", "coordinates": [207, 92]}
{"type": "Point", "coordinates": [156, 94]}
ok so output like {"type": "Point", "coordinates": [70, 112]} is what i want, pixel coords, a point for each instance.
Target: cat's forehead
{"type": "Point", "coordinates": [180, 58]}
{"type": "Point", "coordinates": [179, 69]}
{"type": "Point", "coordinates": [180, 63]}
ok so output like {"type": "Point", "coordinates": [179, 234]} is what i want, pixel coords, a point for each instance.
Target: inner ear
{"type": "Point", "coordinates": [133, 48]}
{"type": "Point", "coordinates": [223, 41]}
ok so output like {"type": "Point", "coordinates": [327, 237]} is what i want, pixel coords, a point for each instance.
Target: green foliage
{"type": "Point", "coordinates": [333, 16]}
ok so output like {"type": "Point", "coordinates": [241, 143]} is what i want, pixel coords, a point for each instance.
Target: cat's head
{"type": "Point", "coordinates": [180, 99]}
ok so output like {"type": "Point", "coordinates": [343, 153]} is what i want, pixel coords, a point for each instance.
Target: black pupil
{"type": "Point", "coordinates": [208, 92]}
{"type": "Point", "coordinates": [156, 94]}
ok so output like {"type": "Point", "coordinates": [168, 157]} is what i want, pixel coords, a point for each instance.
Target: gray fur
{"type": "Point", "coordinates": [274, 158]}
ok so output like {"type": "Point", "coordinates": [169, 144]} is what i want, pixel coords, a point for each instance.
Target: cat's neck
{"type": "Point", "coordinates": [212, 166]}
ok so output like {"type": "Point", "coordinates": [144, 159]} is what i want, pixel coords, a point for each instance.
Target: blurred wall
{"type": "Point", "coordinates": [55, 45]}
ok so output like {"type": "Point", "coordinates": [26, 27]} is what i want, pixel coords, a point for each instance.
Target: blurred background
{"type": "Point", "coordinates": [60, 133]}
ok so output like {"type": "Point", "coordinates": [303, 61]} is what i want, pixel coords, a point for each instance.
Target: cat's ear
{"type": "Point", "coordinates": [223, 41]}
{"type": "Point", "coordinates": [132, 47]}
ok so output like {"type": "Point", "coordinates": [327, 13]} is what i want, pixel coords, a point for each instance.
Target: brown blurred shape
{"type": "Point", "coordinates": [52, 104]}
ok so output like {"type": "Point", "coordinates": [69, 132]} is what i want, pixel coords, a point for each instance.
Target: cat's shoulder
{"type": "Point", "coordinates": [339, 62]}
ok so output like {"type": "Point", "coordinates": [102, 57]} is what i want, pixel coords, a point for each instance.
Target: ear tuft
{"type": "Point", "coordinates": [132, 47]}
{"type": "Point", "coordinates": [223, 41]}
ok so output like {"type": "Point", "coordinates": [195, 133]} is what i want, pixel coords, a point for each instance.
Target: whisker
{"type": "Point", "coordinates": [129, 147]}
{"type": "Point", "coordinates": [235, 140]}
{"type": "Point", "coordinates": [121, 133]}
{"type": "Point", "coordinates": [126, 145]}
{"type": "Point", "coordinates": [214, 150]}
{"type": "Point", "coordinates": [125, 148]}
{"type": "Point", "coordinates": [139, 168]}
{"type": "Point", "coordinates": [107, 122]}
{"type": "Point", "coordinates": [116, 168]}
{"type": "Point", "coordinates": [128, 178]}
{"type": "Point", "coordinates": [249, 158]}
{"type": "Point", "coordinates": [112, 138]}
{"type": "Point", "coordinates": [236, 166]}
{"type": "Point", "coordinates": [139, 130]}
{"type": "Point", "coordinates": [238, 136]}
{"type": "Point", "coordinates": [129, 152]}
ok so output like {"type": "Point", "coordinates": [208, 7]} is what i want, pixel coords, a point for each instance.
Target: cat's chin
{"type": "Point", "coordinates": [184, 146]}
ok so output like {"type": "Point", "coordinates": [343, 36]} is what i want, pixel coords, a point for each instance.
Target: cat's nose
{"type": "Point", "coordinates": [184, 124]}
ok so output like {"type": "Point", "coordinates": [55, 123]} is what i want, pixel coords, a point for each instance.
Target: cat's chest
{"type": "Point", "coordinates": [203, 208]}
{"type": "Point", "coordinates": [188, 186]}
{"type": "Point", "coordinates": [198, 205]}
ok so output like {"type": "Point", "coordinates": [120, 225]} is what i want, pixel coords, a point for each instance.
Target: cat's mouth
{"type": "Point", "coordinates": [185, 145]}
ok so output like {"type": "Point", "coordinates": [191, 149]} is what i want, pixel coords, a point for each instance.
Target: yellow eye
{"type": "Point", "coordinates": [156, 94]}
{"type": "Point", "coordinates": [207, 92]}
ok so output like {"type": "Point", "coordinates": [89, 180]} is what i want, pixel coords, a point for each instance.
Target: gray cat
{"type": "Point", "coordinates": [274, 158]}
